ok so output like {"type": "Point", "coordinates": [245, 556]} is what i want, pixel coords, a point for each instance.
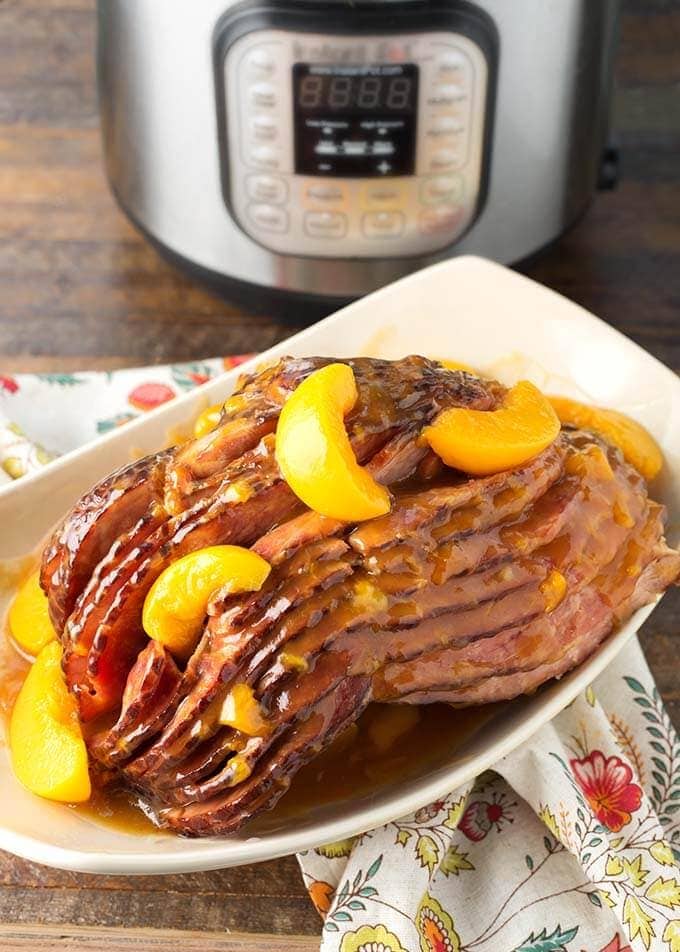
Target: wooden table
{"type": "Point", "coordinates": [80, 289]}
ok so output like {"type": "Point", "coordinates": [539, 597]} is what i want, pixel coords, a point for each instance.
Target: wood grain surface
{"type": "Point", "coordinates": [80, 289]}
{"type": "Point", "coordinates": [79, 939]}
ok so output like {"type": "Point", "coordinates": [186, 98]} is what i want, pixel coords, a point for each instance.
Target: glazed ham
{"type": "Point", "coordinates": [469, 590]}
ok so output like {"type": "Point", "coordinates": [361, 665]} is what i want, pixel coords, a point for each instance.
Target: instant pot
{"type": "Point", "coordinates": [300, 153]}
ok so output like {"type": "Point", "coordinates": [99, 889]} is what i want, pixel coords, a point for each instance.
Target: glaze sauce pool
{"type": "Point", "coordinates": [389, 745]}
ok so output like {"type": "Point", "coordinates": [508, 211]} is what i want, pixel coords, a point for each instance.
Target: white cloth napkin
{"type": "Point", "coordinates": [569, 845]}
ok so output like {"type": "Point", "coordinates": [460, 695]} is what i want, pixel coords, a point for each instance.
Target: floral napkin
{"type": "Point", "coordinates": [570, 844]}
{"type": "Point", "coordinates": [45, 415]}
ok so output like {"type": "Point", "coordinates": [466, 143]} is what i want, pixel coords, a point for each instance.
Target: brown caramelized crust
{"type": "Point", "coordinates": [450, 597]}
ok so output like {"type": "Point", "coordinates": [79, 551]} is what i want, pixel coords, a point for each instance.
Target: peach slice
{"type": "Point", "coordinates": [207, 421]}
{"type": "Point", "coordinates": [458, 365]}
{"type": "Point", "coordinates": [241, 710]}
{"type": "Point", "coordinates": [46, 743]}
{"type": "Point", "coordinates": [175, 607]}
{"type": "Point", "coordinates": [553, 588]}
{"type": "Point", "coordinates": [29, 619]}
{"type": "Point", "coordinates": [482, 442]}
{"type": "Point", "coordinates": [314, 453]}
{"type": "Point", "coordinates": [638, 446]}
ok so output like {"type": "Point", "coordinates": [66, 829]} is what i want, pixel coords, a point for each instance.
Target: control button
{"type": "Point", "coordinates": [266, 188]}
{"type": "Point", "coordinates": [326, 194]}
{"type": "Point", "coordinates": [452, 63]}
{"type": "Point", "coordinates": [260, 63]}
{"type": "Point", "coordinates": [266, 157]}
{"type": "Point", "coordinates": [445, 159]}
{"type": "Point", "coordinates": [325, 224]}
{"type": "Point", "coordinates": [441, 188]}
{"type": "Point", "coordinates": [442, 218]}
{"type": "Point", "coordinates": [445, 126]}
{"type": "Point", "coordinates": [447, 94]}
{"type": "Point", "coordinates": [263, 96]}
{"type": "Point", "coordinates": [264, 128]}
{"type": "Point", "coordinates": [269, 217]}
{"type": "Point", "coordinates": [383, 194]}
{"type": "Point", "coordinates": [382, 224]}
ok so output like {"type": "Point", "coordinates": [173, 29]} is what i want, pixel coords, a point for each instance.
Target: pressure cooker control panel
{"type": "Point", "coordinates": [354, 146]}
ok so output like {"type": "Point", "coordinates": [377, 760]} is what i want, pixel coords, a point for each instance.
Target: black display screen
{"type": "Point", "coordinates": [355, 120]}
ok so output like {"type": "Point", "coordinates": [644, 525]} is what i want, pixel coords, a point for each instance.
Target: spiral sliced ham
{"type": "Point", "coordinates": [450, 597]}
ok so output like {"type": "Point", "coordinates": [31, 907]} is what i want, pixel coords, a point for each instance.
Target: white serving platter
{"type": "Point", "coordinates": [466, 309]}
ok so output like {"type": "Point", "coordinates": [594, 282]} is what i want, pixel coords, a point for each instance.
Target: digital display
{"type": "Point", "coordinates": [355, 121]}
{"type": "Point", "coordinates": [368, 90]}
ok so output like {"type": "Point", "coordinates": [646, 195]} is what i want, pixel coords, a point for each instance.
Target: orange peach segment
{"type": "Point", "coordinates": [638, 446]}
{"type": "Point", "coordinates": [553, 588]}
{"type": "Point", "coordinates": [457, 365]}
{"type": "Point", "coordinates": [241, 710]}
{"type": "Point", "coordinates": [175, 607]}
{"type": "Point", "coordinates": [29, 619]}
{"type": "Point", "coordinates": [46, 743]}
{"type": "Point", "coordinates": [207, 421]}
{"type": "Point", "coordinates": [482, 442]}
{"type": "Point", "coordinates": [314, 453]}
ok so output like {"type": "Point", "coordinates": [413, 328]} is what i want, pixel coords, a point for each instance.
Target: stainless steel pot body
{"type": "Point", "coordinates": [165, 117]}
